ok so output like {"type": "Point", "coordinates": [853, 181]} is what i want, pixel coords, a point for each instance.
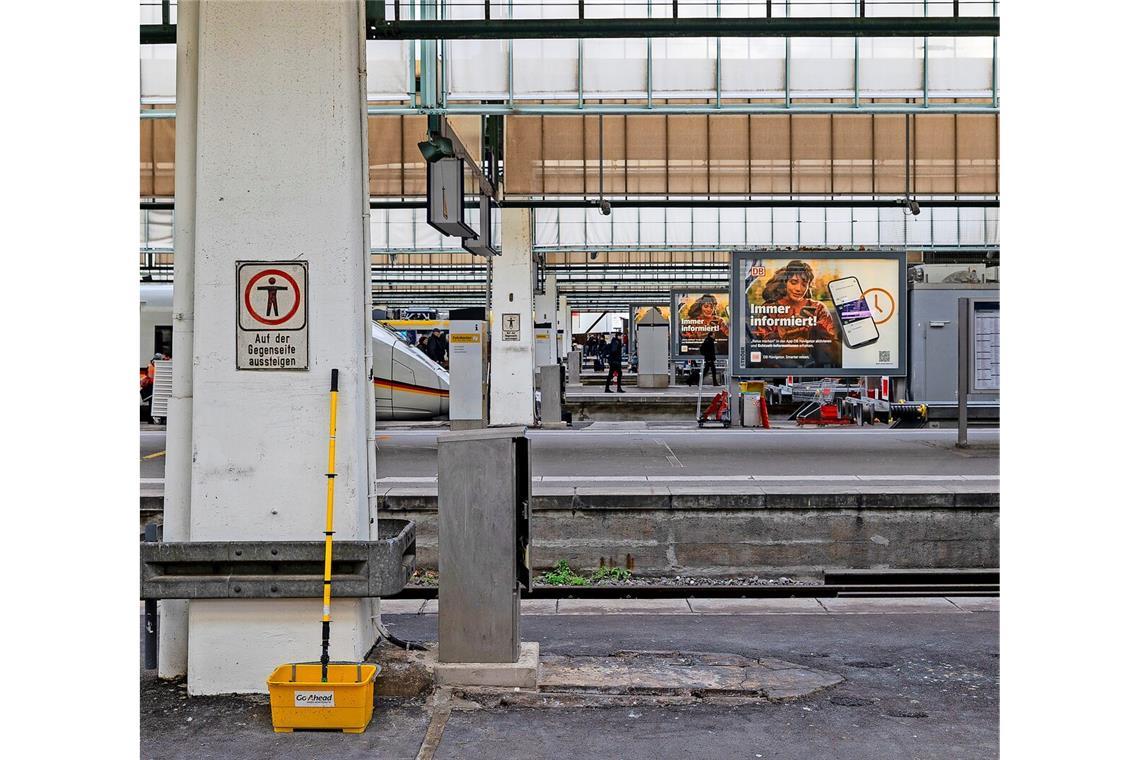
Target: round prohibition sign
{"type": "Point", "coordinates": [292, 284]}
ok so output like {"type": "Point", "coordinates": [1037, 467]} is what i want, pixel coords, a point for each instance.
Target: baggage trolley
{"type": "Point", "coordinates": [718, 409]}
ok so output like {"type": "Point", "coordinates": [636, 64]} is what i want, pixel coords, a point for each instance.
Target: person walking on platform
{"type": "Point", "coordinates": [708, 352]}
{"type": "Point", "coordinates": [613, 355]}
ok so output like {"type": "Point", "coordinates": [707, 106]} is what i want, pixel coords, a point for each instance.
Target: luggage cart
{"type": "Point", "coordinates": [718, 410]}
{"type": "Point", "coordinates": [823, 409]}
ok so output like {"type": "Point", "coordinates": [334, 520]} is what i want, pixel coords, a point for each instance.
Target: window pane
{"type": "Point", "coordinates": [839, 226]}
{"type": "Point", "coordinates": [732, 226]}
{"type": "Point", "coordinates": [822, 65]}
{"type": "Point", "coordinates": [813, 226]}
{"type": "Point", "coordinates": [759, 226]}
{"type": "Point", "coordinates": [961, 65]}
{"type": "Point", "coordinates": [890, 66]}
{"type": "Point", "coordinates": [785, 227]}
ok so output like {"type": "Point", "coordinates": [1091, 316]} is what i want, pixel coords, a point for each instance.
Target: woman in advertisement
{"type": "Point", "coordinates": [701, 319]}
{"type": "Point", "coordinates": [799, 331]}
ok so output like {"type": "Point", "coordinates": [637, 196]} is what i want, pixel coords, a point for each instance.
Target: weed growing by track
{"type": "Point", "coordinates": [564, 575]}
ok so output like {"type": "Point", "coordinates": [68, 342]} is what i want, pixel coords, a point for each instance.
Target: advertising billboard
{"type": "Point", "coordinates": [818, 313]}
{"type": "Point", "coordinates": [695, 315]}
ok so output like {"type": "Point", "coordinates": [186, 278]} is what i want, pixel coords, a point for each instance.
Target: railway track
{"type": "Point", "coordinates": [842, 584]}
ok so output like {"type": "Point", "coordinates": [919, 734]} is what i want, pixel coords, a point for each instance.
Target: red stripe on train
{"type": "Point", "coordinates": [396, 385]}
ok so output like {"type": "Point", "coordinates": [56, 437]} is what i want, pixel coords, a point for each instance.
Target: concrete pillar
{"type": "Point", "coordinates": [173, 613]}
{"type": "Point", "coordinates": [565, 326]}
{"type": "Point", "coordinates": [546, 312]}
{"type": "Point", "coordinates": [281, 175]}
{"type": "Point", "coordinates": [512, 303]}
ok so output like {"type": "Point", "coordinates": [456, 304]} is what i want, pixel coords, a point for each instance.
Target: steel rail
{"type": "Point", "coordinates": [794, 591]}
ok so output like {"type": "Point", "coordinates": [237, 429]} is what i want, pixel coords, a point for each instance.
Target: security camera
{"type": "Point", "coordinates": [913, 207]}
{"type": "Point", "coordinates": [436, 147]}
{"type": "Point", "coordinates": [605, 207]}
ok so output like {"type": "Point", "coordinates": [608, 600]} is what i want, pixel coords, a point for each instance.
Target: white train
{"type": "Point", "coordinates": [408, 385]}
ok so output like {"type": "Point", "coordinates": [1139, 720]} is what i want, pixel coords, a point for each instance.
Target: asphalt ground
{"type": "Point", "coordinates": [916, 686]}
{"type": "Point", "coordinates": [609, 454]}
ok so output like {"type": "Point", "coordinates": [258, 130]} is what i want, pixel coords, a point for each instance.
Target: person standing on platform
{"type": "Point", "coordinates": [708, 352]}
{"type": "Point", "coordinates": [613, 356]}
{"type": "Point", "coordinates": [437, 347]}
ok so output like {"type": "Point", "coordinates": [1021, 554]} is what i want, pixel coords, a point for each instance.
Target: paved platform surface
{"type": "Point", "coordinates": [916, 684]}
{"type": "Point", "coordinates": [608, 455]}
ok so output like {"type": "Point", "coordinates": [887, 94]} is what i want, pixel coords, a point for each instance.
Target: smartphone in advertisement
{"type": "Point", "coordinates": [855, 317]}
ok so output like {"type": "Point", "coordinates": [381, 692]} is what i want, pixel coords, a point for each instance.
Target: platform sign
{"type": "Point", "coordinates": [818, 313]}
{"type": "Point", "coordinates": [273, 315]}
{"type": "Point", "coordinates": [512, 324]}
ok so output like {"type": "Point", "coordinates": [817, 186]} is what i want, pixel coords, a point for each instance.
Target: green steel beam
{"type": "Point", "coordinates": [982, 26]}
{"type": "Point", "coordinates": [381, 203]}
{"type": "Point", "coordinates": [549, 29]}
{"type": "Point", "coordinates": [659, 108]}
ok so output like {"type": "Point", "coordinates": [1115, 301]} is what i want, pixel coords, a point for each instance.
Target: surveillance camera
{"type": "Point", "coordinates": [593, 255]}
{"type": "Point", "coordinates": [605, 207]}
{"type": "Point", "coordinates": [436, 147]}
{"type": "Point", "coordinates": [914, 208]}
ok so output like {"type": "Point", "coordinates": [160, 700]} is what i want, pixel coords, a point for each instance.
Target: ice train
{"type": "Point", "coordinates": [408, 385]}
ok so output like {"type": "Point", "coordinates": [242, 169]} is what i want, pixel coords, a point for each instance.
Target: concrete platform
{"type": "Point", "coordinates": [673, 501]}
{"type": "Point", "coordinates": [590, 403]}
{"type": "Point", "coordinates": [909, 685]}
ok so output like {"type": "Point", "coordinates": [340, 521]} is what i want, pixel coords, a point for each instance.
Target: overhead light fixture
{"type": "Point", "coordinates": [435, 148]}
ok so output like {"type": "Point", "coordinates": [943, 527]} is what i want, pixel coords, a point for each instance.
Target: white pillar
{"type": "Point", "coordinates": [546, 312]}
{"type": "Point", "coordinates": [512, 299]}
{"type": "Point", "coordinates": [564, 324]}
{"type": "Point", "coordinates": [173, 613]}
{"type": "Point", "coordinates": [280, 169]}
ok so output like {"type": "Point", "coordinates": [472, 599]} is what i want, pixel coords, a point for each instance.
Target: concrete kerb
{"type": "Point", "coordinates": [681, 605]}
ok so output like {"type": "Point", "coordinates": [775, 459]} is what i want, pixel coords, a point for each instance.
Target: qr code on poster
{"type": "Point", "coordinates": [884, 356]}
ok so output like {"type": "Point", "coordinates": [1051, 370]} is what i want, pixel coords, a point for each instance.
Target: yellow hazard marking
{"type": "Point", "coordinates": [152, 456]}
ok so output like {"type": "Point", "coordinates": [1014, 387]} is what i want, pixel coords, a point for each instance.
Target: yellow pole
{"type": "Point", "coordinates": [330, 477]}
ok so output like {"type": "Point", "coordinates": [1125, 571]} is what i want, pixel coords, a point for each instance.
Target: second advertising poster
{"type": "Point", "coordinates": [696, 315]}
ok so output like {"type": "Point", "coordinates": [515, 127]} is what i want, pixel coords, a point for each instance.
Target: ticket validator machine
{"type": "Point", "coordinates": [470, 353]}
{"type": "Point", "coordinates": [484, 543]}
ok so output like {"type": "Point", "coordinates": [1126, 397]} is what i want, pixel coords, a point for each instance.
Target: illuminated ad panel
{"type": "Point", "coordinates": [818, 314]}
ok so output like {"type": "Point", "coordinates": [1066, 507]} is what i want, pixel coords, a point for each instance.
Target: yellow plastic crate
{"type": "Point", "coordinates": [298, 699]}
{"type": "Point", "coordinates": [752, 386]}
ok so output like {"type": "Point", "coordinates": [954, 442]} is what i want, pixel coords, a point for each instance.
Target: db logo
{"type": "Point", "coordinates": [756, 272]}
